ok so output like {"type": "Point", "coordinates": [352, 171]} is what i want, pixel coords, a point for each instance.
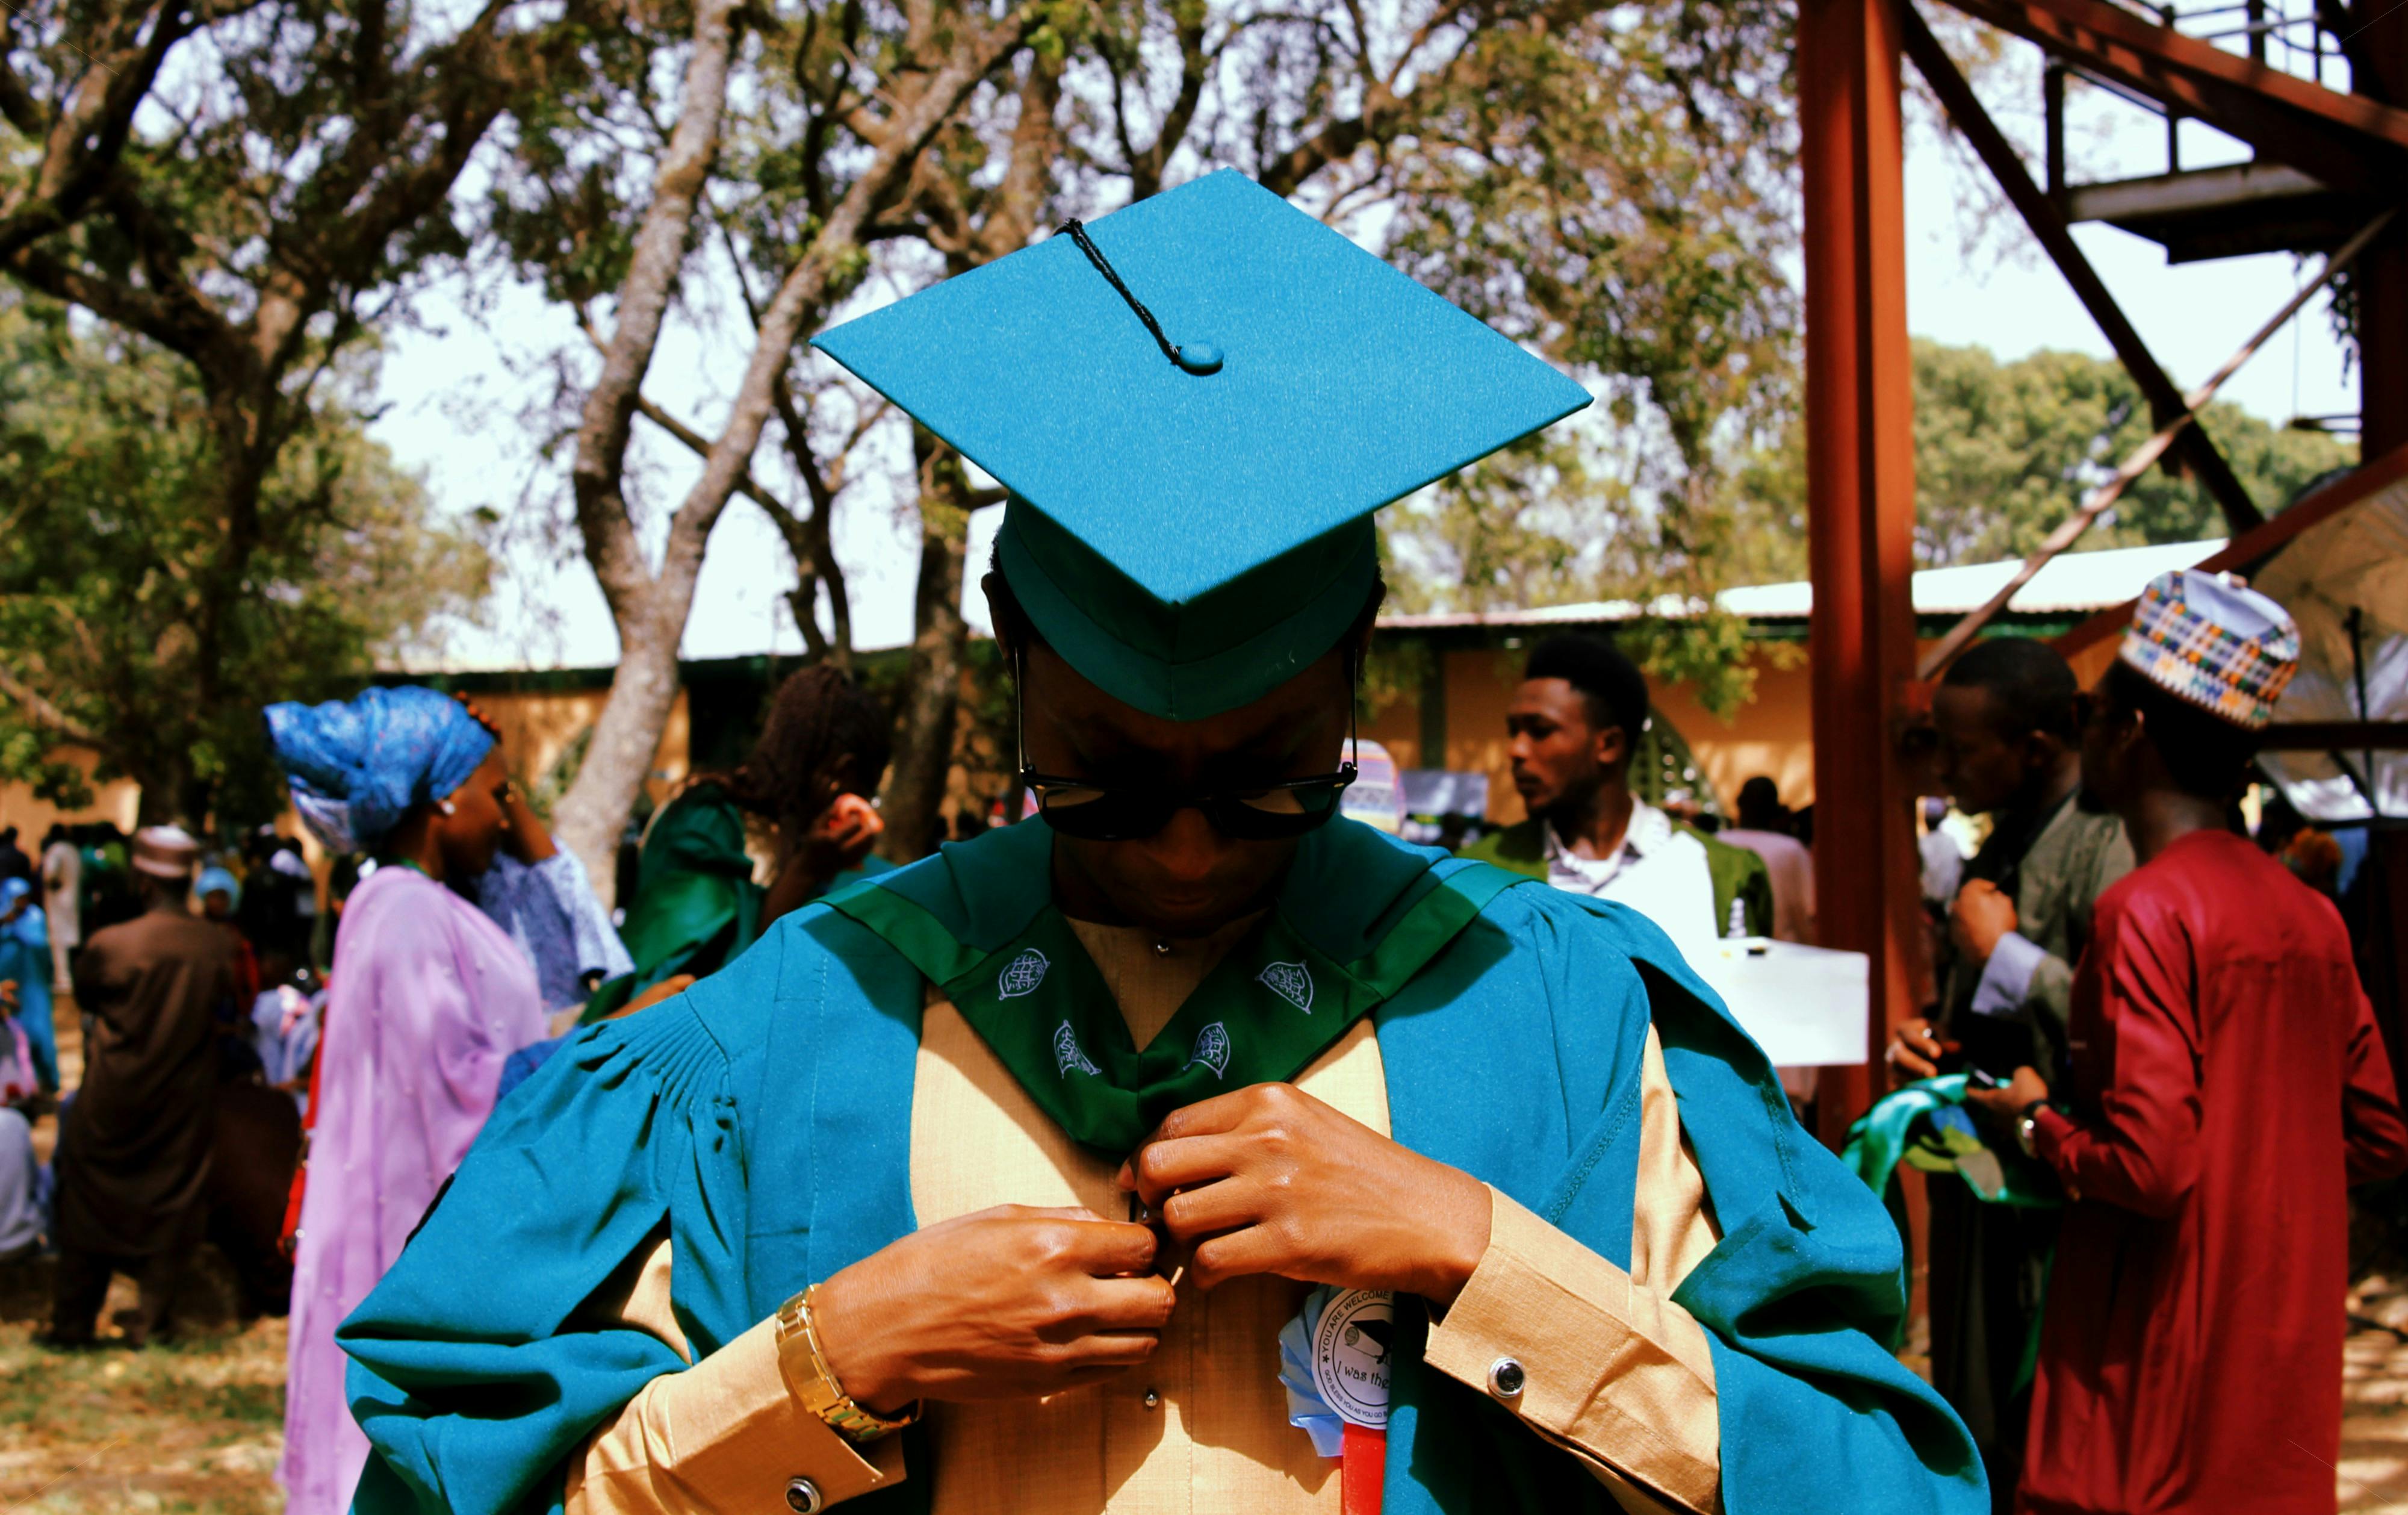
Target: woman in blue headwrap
{"type": "Point", "coordinates": [429, 997]}
{"type": "Point", "coordinates": [25, 960]}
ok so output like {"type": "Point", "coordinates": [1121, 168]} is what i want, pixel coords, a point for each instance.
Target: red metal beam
{"type": "Point", "coordinates": [1860, 511]}
{"type": "Point", "coordinates": [2327, 736]}
{"type": "Point", "coordinates": [2193, 447]}
{"type": "Point", "coordinates": [2349, 141]}
{"type": "Point", "coordinates": [2378, 53]}
{"type": "Point", "coordinates": [2243, 553]}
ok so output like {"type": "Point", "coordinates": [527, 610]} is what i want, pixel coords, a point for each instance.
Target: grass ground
{"type": "Point", "coordinates": [190, 1429]}
{"type": "Point", "coordinates": [195, 1428]}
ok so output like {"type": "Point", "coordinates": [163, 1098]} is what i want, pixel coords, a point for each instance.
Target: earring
{"type": "Point", "coordinates": [446, 806]}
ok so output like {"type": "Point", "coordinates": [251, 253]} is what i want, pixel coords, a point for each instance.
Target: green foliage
{"type": "Point", "coordinates": [1611, 187]}
{"type": "Point", "coordinates": [2005, 452]}
{"type": "Point", "coordinates": [108, 472]}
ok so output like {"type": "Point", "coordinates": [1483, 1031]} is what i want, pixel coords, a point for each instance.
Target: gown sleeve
{"type": "Point", "coordinates": [1613, 1369]}
{"type": "Point", "coordinates": [475, 1399]}
{"type": "Point", "coordinates": [1805, 1283]}
{"type": "Point", "coordinates": [725, 1433]}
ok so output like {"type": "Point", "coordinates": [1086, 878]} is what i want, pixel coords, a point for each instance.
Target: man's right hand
{"type": "Point", "coordinates": [1011, 1302]}
{"type": "Point", "coordinates": [1915, 1051]}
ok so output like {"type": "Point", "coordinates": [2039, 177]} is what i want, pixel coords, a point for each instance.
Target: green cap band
{"type": "Point", "coordinates": [1227, 647]}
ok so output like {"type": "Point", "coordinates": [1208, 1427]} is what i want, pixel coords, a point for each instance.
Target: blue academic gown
{"type": "Point", "coordinates": [765, 1117]}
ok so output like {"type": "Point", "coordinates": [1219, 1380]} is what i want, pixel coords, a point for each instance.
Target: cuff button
{"type": "Point", "coordinates": [803, 1498]}
{"type": "Point", "coordinates": [1505, 1379]}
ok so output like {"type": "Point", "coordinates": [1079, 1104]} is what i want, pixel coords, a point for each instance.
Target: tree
{"type": "Point", "coordinates": [2005, 451]}
{"type": "Point", "coordinates": [111, 474]}
{"type": "Point", "coordinates": [617, 220]}
{"type": "Point", "coordinates": [250, 186]}
{"type": "Point", "coordinates": [1610, 189]}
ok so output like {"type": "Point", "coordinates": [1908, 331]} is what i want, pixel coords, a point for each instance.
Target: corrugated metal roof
{"type": "Point", "coordinates": [2069, 584]}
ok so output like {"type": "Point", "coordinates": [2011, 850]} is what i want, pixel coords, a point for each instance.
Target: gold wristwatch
{"type": "Point", "coordinates": [810, 1381]}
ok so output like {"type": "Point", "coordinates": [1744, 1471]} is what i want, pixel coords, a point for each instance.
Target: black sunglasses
{"type": "Point", "coordinates": [1096, 811]}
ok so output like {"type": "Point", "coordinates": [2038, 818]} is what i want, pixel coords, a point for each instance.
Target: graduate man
{"type": "Point", "coordinates": [1193, 1150]}
{"type": "Point", "coordinates": [2228, 1086]}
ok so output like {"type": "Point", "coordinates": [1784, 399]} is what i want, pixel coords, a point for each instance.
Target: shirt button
{"type": "Point", "coordinates": [1152, 1399]}
{"type": "Point", "coordinates": [803, 1496]}
{"type": "Point", "coordinates": [1505, 1379]}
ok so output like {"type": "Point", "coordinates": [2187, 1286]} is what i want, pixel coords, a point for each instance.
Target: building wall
{"type": "Point", "coordinates": [538, 726]}
{"type": "Point", "coordinates": [1773, 733]}
{"type": "Point", "coordinates": [119, 801]}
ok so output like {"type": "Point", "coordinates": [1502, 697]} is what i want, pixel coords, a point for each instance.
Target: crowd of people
{"type": "Point", "coordinates": [2078, 999]}
{"type": "Point", "coordinates": [297, 1096]}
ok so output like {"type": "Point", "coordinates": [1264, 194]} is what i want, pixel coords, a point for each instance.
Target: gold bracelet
{"type": "Point", "coordinates": [814, 1384]}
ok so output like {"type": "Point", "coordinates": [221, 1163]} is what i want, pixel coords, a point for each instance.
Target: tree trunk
{"type": "Point", "coordinates": [650, 608]}
{"type": "Point", "coordinates": [924, 729]}
{"type": "Point", "coordinates": [652, 620]}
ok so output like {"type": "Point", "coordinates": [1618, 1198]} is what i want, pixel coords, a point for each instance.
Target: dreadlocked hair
{"type": "Point", "coordinates": [825, 735]}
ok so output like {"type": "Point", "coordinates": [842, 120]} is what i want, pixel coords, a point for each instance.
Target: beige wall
{"type": "Point", "coordinates": [537, 726]}
{"type": "Point", "coordinates": [119, 801]}
{"type": "Point", "coordinates": [1773, 733]}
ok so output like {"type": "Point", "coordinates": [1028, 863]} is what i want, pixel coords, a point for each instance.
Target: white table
{"type": "Point", "coordinates": [1808, 1007]}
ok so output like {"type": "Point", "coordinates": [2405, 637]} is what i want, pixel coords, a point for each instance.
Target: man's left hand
{"type": "Point", "coordinates": [1269, 1180]}
{"type": "Point", "coordinates": [2004, 1106]}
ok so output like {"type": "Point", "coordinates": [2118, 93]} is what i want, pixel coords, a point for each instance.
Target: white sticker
{"type": "Point", "coordinates": [1350, 1356]}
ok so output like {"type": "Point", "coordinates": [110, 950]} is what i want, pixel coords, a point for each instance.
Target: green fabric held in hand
{"type": "Point", "coordinates": [1897, 1130]}
{"type": "Point", "coordinates": [1262, 1014]}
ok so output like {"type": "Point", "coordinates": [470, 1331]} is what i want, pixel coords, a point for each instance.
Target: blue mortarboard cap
{"type": "Point", "coordinates": [1190, 533]}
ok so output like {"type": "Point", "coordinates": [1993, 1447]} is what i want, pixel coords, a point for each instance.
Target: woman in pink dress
{"type": "Point", "coordinates": [429, 997]}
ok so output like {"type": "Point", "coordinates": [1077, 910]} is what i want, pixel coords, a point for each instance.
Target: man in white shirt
{"type": "Point", "coordinates": [1574, 724]}
{"type": "Point", "coordinates": [62, 887]}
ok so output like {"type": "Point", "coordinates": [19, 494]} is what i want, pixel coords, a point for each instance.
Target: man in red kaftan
{"type": "Point", "coordinates": [2227, 1085]}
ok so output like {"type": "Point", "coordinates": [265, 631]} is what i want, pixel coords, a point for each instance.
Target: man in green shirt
{"type": "Point", "coordinates": [2009, 748]}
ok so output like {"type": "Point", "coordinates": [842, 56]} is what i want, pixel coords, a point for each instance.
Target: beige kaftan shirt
{"type": "Point", "coordinates": [1615, 1371]}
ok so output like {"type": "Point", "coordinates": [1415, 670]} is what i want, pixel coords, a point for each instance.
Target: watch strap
{"type": "Point", "coordinates": [2027, 1127]}
{"type": "Point", "coordinates": [814, 1384]}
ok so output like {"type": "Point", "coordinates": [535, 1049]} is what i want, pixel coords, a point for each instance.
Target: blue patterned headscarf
{"type": "Point", "coordinates": [358, 765]}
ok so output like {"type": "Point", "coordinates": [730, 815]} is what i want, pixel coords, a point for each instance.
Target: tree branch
{"type": "Point", "coordinates": [82, 147]}
{"type": "Point", "coordinates": [46, 714]}
{"type": "Point", "coordinates": [829, 265]}
{"type": "Point", "coordinates": [597, 476]}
